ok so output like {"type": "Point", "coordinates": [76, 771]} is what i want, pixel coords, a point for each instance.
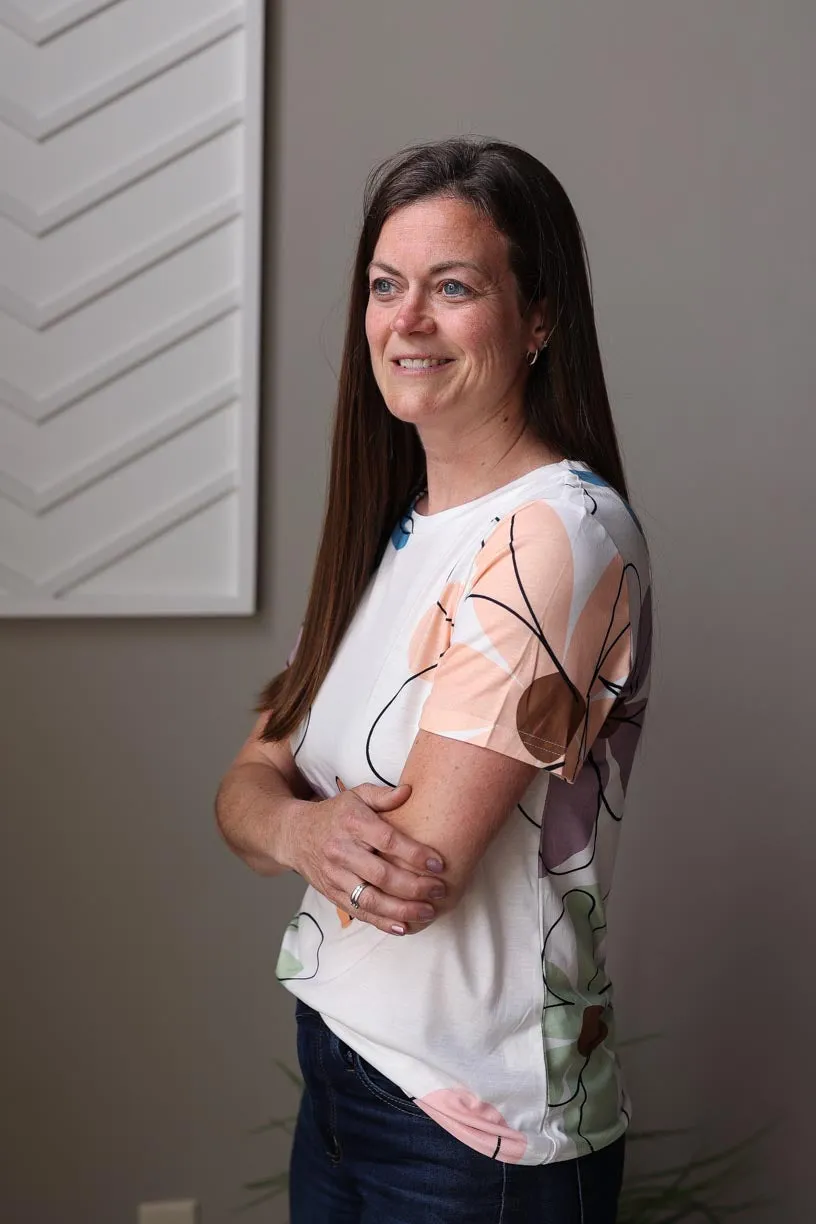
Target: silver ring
{"type": "Point", "coordinates": [357, 894]}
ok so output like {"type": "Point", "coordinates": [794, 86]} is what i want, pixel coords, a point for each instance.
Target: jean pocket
{"type": "Point", "coordinates": [303, 1012]}
{"type": "Point", "coordinates": [384, 1089]}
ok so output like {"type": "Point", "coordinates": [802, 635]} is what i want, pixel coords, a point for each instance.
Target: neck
{"type": "Point", "coordinates": [472, 463]}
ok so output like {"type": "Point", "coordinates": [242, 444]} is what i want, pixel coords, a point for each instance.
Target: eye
{"type": "Point", "coordinates": [454, 289]}
{"type": "Point", "coordinates": [381, 286]}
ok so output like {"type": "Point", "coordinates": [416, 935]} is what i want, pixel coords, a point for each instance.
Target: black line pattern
{"type": "Point", "coordinates": [306, 977]}
{"type": "Point", "coordinates": [303, 736]}
{"type": "Point", "coordinates": [383, 711]}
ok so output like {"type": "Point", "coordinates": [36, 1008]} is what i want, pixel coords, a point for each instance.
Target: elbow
{"type": "Point", "coordinates": [223, 828]}
{"type": "Point", "coordinates": [220, 810]}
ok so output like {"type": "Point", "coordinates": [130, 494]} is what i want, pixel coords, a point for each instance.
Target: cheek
{"type": "Point", "coordinates": [493, 333]}
{"type": "Point", "coordinates": [376, 328]}
{"type": "Point", "coordinates": [495, 337]}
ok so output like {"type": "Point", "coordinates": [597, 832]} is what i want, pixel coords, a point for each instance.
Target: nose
{"type": "Point", "coordinates": [413, 316]}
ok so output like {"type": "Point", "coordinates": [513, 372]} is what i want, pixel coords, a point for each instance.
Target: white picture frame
{"type": "Point", "coordinates": [131, 142]}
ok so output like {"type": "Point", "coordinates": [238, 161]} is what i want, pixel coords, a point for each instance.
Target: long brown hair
{"type": "Point", "coordinates": [377, 461]}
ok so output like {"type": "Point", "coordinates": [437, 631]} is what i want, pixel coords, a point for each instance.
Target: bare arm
{"type": "Point", "coordinates": [259, 797]}
{"type": "Point", "coordinates": [266, 813]}
{"type": "Point", "coordinates": [461, 794]}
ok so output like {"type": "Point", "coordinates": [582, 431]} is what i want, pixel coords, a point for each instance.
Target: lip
{"type": "Point", "coordinates": [422, 371]}
{"type": "Point", "coordinates": [425, 372]}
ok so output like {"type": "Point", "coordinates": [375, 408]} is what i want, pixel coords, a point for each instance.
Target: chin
{"type": "Point", "coordinates": [413, 414]}
{"type": "Point", "coordinates": [414, 409]}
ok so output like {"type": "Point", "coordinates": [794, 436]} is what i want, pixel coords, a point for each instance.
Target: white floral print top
{"type": "Point", "coordinates": [520, 622]}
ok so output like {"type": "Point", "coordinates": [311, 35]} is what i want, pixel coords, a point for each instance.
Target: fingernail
{"type": "Point", "coordinates": [436, 894]}
{"type": "Point", "coordinates": [435, 864]}
{"type": "Point", "coordinates": [398, 930]}
{"type": "Point", "coordinates": [426, 912]}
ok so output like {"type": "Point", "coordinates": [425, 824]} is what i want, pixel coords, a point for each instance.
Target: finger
{"type": "Point", "coordinates": [384, 838]}
{"type": "Point", "coordinates": [386, 912]}
{"type": "Point", "coordinates": [382, 798]}
{"type": "Point", "coordinates": [394, 880]}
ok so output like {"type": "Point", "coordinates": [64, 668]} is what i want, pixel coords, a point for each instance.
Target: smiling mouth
{"type": "Point", "coordinates": [421, 363]}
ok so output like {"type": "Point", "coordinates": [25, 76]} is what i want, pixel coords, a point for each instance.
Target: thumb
{"type": "Point", "coordinates": [383, 798]}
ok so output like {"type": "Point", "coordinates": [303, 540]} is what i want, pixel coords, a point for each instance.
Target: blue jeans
{"type": "Point", "coordinates": [364, 1153]}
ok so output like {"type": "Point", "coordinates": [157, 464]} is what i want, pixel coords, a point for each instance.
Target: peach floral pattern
{"type": "Point", "coordinates": [431, 638]}
{"type": "Point", "coordinates": [540, 653]}
{"type": "Point", "coordinates": [475, 1122]}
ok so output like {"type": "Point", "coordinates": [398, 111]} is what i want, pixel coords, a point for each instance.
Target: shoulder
{"type": "Point", "coordinates": [576, 525]}
{"type": "Point", "coordinates": [565, 559]}
{"type": "Point", "coordinates": [545, 537]}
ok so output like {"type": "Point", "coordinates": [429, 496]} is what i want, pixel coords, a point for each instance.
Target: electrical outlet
{"type": "Point", "coordinates": [174, 1211]}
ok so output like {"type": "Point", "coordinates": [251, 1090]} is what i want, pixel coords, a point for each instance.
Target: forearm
{"type": "Point", "coordinates": [256, 813]}
{"type": "Point", "coordinates": [461, 796]}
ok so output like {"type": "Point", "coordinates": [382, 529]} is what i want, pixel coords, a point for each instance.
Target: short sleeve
{"type": "Point", "coordinates": [541, 644]}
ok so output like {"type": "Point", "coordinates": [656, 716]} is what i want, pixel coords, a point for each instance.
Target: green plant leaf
{"type": "Point", "coordinates": [273, 1124]}
{"type": "Point", "coordinates": [288, 1072]}
{"type": "Point", "coordinates": [633, 1041]}
{"type": "Point", "coordinates": [728, 1156]}
{"type": "Point", "coordinates": [272, 1187]}
{"type": "Point", "coordinates": [280, 1180]}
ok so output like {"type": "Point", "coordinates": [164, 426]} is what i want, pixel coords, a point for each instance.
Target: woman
{"type": "Point", "coordinates": [445, 759]}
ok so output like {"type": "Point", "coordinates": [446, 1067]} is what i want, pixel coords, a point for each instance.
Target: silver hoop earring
{"type": "Point", "coordinates": [531, 358]}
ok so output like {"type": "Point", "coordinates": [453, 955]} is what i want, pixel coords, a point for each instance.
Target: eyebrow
{"type": "Point", "coordinates": [448, 266]}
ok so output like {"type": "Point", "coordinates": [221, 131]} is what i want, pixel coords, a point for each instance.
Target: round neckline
{"type": "Point", "coordinates": [444, 516]}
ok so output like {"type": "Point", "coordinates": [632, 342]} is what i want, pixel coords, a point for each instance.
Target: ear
{"type": "Point", "coordinates": [539, 321]}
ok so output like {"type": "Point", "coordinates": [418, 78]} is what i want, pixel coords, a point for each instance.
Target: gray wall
{"type": "Point", "coordinates": [141, 1018]}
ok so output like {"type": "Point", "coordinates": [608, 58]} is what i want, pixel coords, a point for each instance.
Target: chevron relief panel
{"type": "Point", "coordinates": [131, 146]}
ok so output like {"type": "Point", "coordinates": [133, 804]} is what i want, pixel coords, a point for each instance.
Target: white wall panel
{"type": "Point", "coordinates": [130, 141]}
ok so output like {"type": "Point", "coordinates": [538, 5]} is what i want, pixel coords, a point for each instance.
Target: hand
{"type": "Point", "coordinates": [339, 844]}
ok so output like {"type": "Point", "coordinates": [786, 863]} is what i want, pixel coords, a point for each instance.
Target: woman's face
{"type": "Point", "coordinates": [445, 332]}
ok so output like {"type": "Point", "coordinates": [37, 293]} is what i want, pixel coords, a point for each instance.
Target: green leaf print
{"type": "Point", "coordinates": [582, 1074]}
{"type": "Point", "coordinates": [599, 1080]}
{"type": "Point", "coordinates": [288, 966]}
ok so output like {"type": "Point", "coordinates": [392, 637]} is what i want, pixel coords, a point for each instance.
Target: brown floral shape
{"type": "Point", "coordinates": [593, 1031]}
{"type": "Point", "coordinates": [549, 713]}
